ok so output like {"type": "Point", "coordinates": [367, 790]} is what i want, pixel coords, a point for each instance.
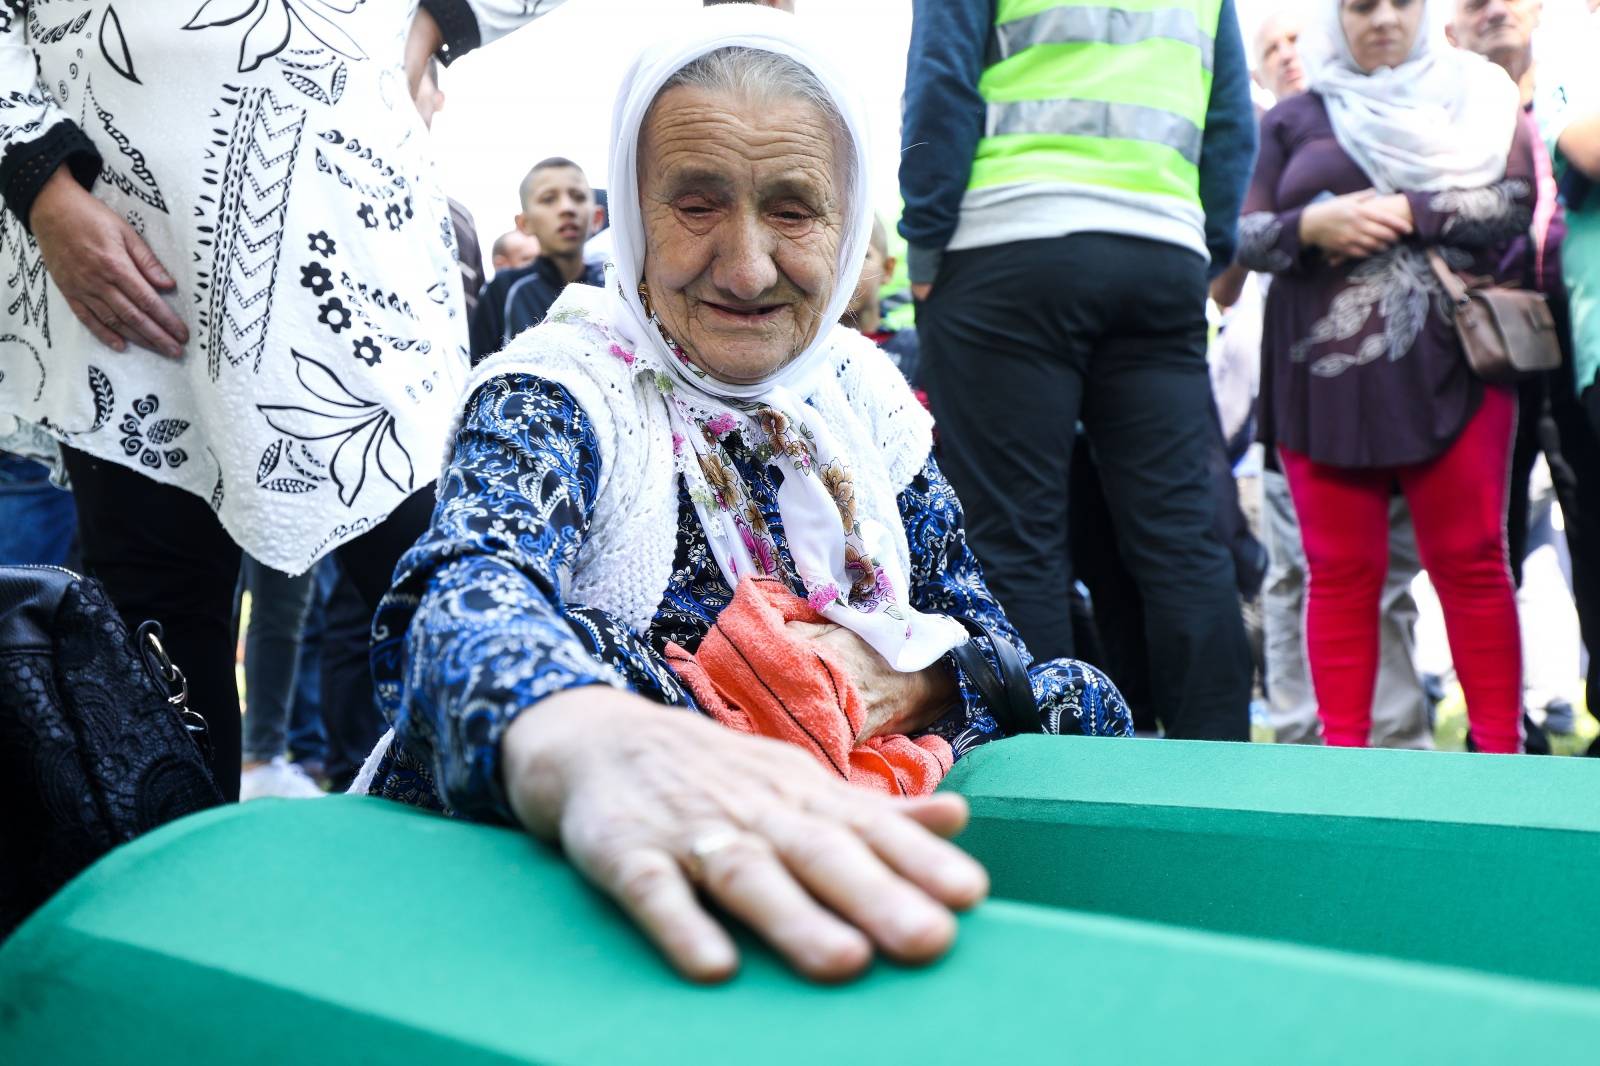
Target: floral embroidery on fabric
{"type": "Point", "coordinates": [214, 123]}
{"type": "Point", "coordinates": [725, 491]}
{"type": "Point", "coordinates": [843, 489]}
{"type": "Point", "coordinates": [317, 278]}
{"type": "Point", "coordinates": [271, 25]}
{"type": "Point", "coordinates": [334, 314]}
{"type": "Point", "coordinates": [148, 438]}
{"type": "Point", "coordinates": [1495, 213]}
{"type": "Point", "coordinates": [1259, 233]}
{"type": "Point", "coordinates": [785, 438]}
{"type": "Point", "coordinates": [1398, 284]}
{"type": "Point", "coordinates": [367, 350]}
{"type": "Point", "coordinates": [364, 429]}
{"type": "Point", "coordinates": [783, 444]}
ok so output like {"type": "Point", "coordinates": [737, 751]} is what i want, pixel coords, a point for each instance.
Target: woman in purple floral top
{"type": "Point", "coordinates": [1402, 146]}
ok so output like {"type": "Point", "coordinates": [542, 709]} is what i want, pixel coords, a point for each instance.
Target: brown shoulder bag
{"type": "Point", "coordinates": [1507, 334]}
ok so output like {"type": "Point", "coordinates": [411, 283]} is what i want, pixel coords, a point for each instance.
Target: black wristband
{"type": "Point", "coordinates": [27, 166]}
{"type": "Point", "coordinates": [457, 24]}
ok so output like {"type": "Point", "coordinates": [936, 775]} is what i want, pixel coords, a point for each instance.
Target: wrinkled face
{"type": "Point", "coordinates": [1497, 29]}
{"type": "Point", "coordinates": [873, 277]}
{"type": "Point", "coordinates": [558, 210]}
{"type": "Point", "coordinates": [1380, 32]}
{"type": "Point", "coordinates": [1278, 66]}
{"type": "Point", "coordinates": [743, 209]}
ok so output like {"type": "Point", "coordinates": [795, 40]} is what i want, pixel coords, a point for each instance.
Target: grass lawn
{"type": "Point", "coordinates": [1450, 727]}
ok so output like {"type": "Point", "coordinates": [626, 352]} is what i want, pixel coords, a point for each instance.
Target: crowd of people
{"type": "Point", "coordinates": [669, 450]}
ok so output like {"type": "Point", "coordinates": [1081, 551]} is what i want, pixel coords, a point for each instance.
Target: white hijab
{"type": "Point", "coordinates": [1443, 119]}
{"type": "Point", "coordinates": [871, 600]}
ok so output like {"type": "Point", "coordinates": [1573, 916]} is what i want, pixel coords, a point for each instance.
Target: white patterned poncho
{"type": "Point", "coordinates": [269, 153]}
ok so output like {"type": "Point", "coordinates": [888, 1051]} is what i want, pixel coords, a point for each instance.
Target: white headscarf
{"type": "Point", "coordinates": [852, 572]}
{"type": "Point", "coordinates": [1443, 119]}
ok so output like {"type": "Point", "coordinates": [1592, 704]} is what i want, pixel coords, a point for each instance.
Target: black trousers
{"type": "Point", "coordinates": [1020, 342]}
{"type": "Point", "coordinates": [162, 554]}
{"type": "Point", "coordinates": [1111, 634]}
{"type": "Point", "coordinates": [1551, 419]}
{"type": "Point", "coordinates": [351, 720]}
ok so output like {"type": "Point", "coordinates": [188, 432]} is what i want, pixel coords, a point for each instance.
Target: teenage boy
{"type": "Point", "coordinates": [558, 210]}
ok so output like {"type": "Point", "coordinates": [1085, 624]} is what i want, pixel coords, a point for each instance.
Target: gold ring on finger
{"type": "Point", "coordinates": [704, 846]}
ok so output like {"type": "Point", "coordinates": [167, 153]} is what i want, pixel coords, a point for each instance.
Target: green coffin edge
{"type": "Point", "coordinates": [355, 931]}
{"type": "Point", "coordinates": [1485, 862]}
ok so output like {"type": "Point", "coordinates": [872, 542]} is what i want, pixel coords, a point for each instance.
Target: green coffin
{"type": "Point", "coordinates": [355, 931]}
{"type": "Point", "coordinates": [1486, 862]}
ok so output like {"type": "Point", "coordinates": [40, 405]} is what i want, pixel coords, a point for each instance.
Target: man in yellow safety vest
{"type": "Point", "coordinates": [1072, 174]}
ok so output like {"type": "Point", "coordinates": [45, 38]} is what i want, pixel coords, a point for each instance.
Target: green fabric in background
{"type": "Point", "coordinates": [352, 931]}
{"type": "Point", "coordinates": [1485, 862]}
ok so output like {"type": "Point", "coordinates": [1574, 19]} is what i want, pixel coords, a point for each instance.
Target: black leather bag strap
{"type": "Point", "coordinates": [1008, 692]}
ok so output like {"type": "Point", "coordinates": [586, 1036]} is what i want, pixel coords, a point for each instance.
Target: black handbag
{"type": "Point", "coordinates": [97, 742]}
{"type": "Point", "coordinates": [1007, 691]}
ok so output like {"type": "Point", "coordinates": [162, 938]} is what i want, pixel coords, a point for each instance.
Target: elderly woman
{"type": "Point", "coordinates": [621, 467]}
{"type": "Point", "coordinates": [1401, 146]}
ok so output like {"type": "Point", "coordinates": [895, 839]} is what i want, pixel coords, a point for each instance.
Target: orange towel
{"type": "Point", "coordinates": [750, 674]}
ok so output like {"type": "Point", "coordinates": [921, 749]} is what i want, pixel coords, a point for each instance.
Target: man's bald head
{"type": "Point", "coordinates": [1278, 68]}
{"type": "Point", "coordinates": [513, 249]}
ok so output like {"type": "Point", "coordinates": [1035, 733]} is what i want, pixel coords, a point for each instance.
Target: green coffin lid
{"type": "Point", "coordinates": [353, 931]}
{"type": "Point", "coordinates": [1483, 861]}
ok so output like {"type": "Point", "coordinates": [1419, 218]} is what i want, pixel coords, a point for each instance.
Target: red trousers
{"type": "Point", "coordinates": [1458, 505]}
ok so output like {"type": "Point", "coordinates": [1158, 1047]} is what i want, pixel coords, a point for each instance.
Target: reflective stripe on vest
{"type": "Point", "coordinates": [1098, 118]}
{"type": "Point", "coordinates": [1112, 93]}
{"type": "Point", "coordinates": [1104, 25]}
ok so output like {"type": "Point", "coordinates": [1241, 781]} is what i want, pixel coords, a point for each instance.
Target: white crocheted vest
{"type": "Point", "coordinates": [626, 562]}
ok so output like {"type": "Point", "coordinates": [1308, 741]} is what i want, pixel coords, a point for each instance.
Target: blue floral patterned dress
{"type": "Point", "coordinates": [475, 629]}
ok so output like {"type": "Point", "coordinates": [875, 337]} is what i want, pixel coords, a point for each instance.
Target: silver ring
{"type": "Point", "coordinates": [704, 846]}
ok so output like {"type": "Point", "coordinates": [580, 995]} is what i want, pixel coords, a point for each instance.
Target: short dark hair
{"type": "Point", "coordinates": [555, 162]}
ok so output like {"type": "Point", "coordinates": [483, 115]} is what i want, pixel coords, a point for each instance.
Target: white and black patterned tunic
{"type": "Point", "coordinates": [269, 153]}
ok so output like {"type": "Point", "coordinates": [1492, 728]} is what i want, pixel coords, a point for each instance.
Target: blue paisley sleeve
{"type": "Point", "coordinates": [1073, 697]}
{"type": "Point", "coordinates": [946, 577]}
{"type": "Point", "coordinates": [472, 631]}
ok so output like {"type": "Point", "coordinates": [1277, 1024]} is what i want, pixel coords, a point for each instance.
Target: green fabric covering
{"type": "Point", "coordinates": [352, 931]}
{"type": "Point", "coordinates": [1487, 862]}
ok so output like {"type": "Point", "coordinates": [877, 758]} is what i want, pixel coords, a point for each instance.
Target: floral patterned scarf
{"type": "Point", "coordinates": [845, 558]}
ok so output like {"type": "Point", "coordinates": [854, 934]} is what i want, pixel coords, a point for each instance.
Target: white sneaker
{"type": "Point", "coordinates": [280, 778]}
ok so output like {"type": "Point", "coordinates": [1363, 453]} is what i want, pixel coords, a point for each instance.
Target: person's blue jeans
{"type": "Point", "coordinates": [38, 521]}
{"type": "Point", "coordinates": [271, 653]}
{"type": "Point", "coordinates": [308, 740]}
